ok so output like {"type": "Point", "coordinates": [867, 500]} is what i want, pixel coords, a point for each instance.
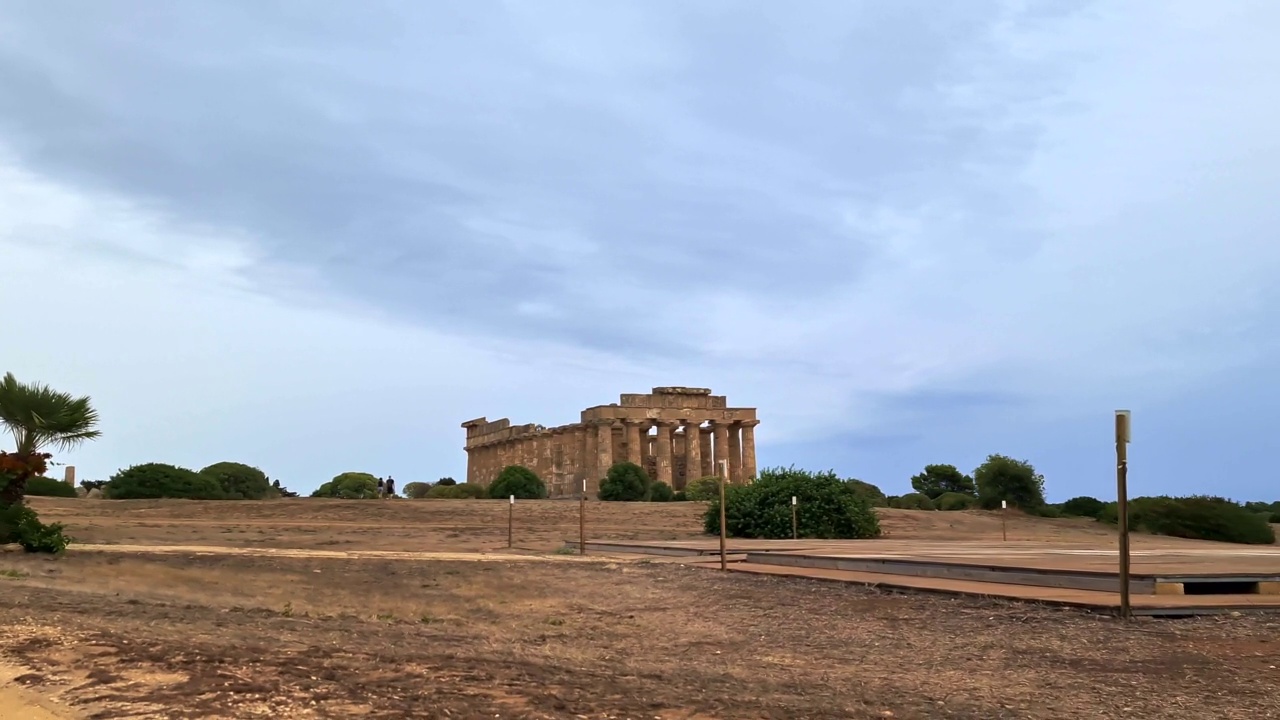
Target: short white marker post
{"type": "Point", "coordinates": [511, 517]}
{"type": "Point", "coordinates": [1004, 520]}
{"type": "Point", "coordinates": [795, 534]}
{"type": "Point", "coordinates": [582, 520]}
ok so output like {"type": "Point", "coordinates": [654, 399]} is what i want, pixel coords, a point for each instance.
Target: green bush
{"type": "Point", "coordinates": [416, 490]}
{"type": "Point", "coordinates": [955, 501]}
{"type": "Point", "coordinates": [446, 481]}
{"type": "Point", "coordinates": [893, 501]}
{"type": "Point", "coordinates": [828, 507]}
{"type": "Point", "coordinates": [660, 492]}
{"type": "Point", "coordinates": [1003, 478]}
{"type": "Point", "coordinates": [1197, 517]}
{"type": "Point", "coordinates": [703, 489]}
{"type": "Point", "coordinates": [1083, 506]}
{"type": "Point", "coordinates": [520, 481]}
{"type": "Point", "coordinates": [49, 487]}
{"type": "Point", "coordinates": [680, 496]}
{"type": "Point", "coordinates": [349, 486]}
{"type": "Point", "coordinates": [915, 501]}
{"type": "Point", "coordinates": [463, 491]}
{"type": "Point", "coordinates": [939, 479]}
{"type": "Point", "coordinates": [20, 524]}
{"type": "Point", "coordinates": [625, 482]}
{"type": "Point", "coordinates": [158, 480]}
{"type": "Point", "coordinates": [239, 481]}
{"type": "Point", "coordinates": [868, 492]}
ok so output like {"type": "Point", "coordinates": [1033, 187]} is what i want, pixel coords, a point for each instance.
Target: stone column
{"type": "Point", "coordinates": [735, 454]}
{"type": "Point", "coordinates": [692, 452]}
{"type": "Point", "coordinates": [604, 455]}
{"type": "Point", "coordinates": [704, 447]}
{"type": "Point", "coordinates": [721, 430]}
{"type": "Point", "coordinates": [749, 450]}
{"type": "Point", "coordinates": [69, 475]}
{"type": "Point", "coordinates": [633, 442]}
{"type": "Point", "coordinates": [590, 457]}
{"type": "Point", "coordinates": [664, 451]}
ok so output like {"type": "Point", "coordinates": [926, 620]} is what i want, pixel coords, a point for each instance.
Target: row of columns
{"type": "Point", "coordinates": [565, 456]}
{"type": "Point", "coordinates": [704, 448]}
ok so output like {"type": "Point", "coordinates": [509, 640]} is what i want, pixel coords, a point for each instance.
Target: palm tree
{"type": "Point", "coordinates": [39, 417]}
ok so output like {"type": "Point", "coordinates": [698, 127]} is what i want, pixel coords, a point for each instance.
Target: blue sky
{"type": "Point", "coordinates": [317, 237]}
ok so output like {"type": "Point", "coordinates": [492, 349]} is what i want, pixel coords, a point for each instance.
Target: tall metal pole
{"type": "Point", "coordinates": [582, 520]}
{"type": "Point", "coordinates": [1122, 507]}
{"type": "Point", "coordinates": [724, 474]}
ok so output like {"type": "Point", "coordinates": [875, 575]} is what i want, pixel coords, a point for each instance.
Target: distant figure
{"type": "Point", "coordinates": [391, 486]}
{"type": "Point", "coordinates": [382, 488]}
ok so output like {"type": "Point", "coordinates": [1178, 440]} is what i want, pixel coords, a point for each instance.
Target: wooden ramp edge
{"type": "Point", "coordinates": [1086, 599]}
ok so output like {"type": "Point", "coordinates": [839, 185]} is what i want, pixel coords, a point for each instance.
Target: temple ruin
{"type": "Point", "coordinates": [677, 434]}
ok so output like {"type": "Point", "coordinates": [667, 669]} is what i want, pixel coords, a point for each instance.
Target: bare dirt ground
{"type": "Point", "coordinates": [177, 635]}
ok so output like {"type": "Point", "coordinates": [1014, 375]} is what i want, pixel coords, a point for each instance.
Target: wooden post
{"type": "Point", "coordinates": [1122, 507]}
{"type": "Point", "coordinates": [724, 477]}
{"type": "Point", "coordinates": [511, 519]}
{"type": "Point", "coordinates": [582, 520]}
{"type": "Point", "coordinates": [1004, 520]}
{"type": "Point", "coordinates": [795, 534]}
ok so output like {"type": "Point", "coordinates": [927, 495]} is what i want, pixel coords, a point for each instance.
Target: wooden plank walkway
{"type": "Point", "coordinates": [1089, 599]}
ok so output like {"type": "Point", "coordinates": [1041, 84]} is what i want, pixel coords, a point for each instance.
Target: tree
{"type": "Point", "coordinates": [39, 417]}
{"type": "Point", "coordinates": [871, 493]}
{"type": "Point", "coordinates": [416, 490]}
{"type": "Point", "coordinates": [446, 481]}
{"type": "Point", "coordinates": [828, 507]}
{"type": "Point", "coordinates": [1004, 478]}
{"type": "Point", "coordinates": [239, 481]}
{"type": "Point", "coordinates": [349, 486]}
{"type": "Point", "coordinates": [1083, 506]}
{"type": "Point", "coordinates": [625, 482]}
{"type": "Point", "coordinates": [159, 480]}
{"type": "Point", "coordinates": [520, 481]}
{"type": "Point", "coordinates": [939, 479]}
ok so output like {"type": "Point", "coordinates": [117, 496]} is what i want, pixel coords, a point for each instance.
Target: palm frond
{"type": "Point", "coordinates": [37, 416]}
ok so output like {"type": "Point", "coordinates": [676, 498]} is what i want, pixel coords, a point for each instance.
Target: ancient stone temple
{"type": "Point", "coordinates": [677, 434]}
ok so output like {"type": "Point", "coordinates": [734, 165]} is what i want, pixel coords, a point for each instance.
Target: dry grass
{"type": "Point", "coordinates": [185, 636]}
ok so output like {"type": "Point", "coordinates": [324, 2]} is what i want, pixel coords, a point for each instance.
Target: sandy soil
{"type": "Point", "coordinates": [534, 634]}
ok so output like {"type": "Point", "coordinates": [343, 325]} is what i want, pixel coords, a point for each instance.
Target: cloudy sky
{"type": "Point", "coordinates": [316, 237]}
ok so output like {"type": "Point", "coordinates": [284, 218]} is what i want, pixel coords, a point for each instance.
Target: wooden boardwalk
{"type": "Point", "coordinates": [1075, 575]}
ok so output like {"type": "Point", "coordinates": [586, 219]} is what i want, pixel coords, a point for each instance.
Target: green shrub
{"type": "Point", "coordinates": [915, 501]}
{"type": "Point", "coordinates": [868, 492]}
{"type": "Point", "coordinates": [520, 481]}
{"type": "Point", "coordinates": [955, 501]}
{"type": "Point", "coordinates": [462, 491]}
{"type": "Point", "coordinates": [416, 490]}
{"type": "Point", "coordinates": [239, 481]}
{"type": "Point", "coordinates": [1003, 478]}
{"type": "Point", "coordinates": [680, 496]}
{"type": "Point", "coordinates": [158, 480]}
{"type": "Point", "coordinates": [48, 487]}
{"type": "Point", "coordinates": [20, 524]}
{"type": "Point", "coordinates": [893, 501]}
{"type": "Point", "coordinates": [937, 480]}
{"type": "Point", "coordinates": [446, 481]}
{"type": "Point", "coordinates": [1048, 510]}
{"type": "Point", "coordinates": [660, 492]}
{"type": "Point", "coordinates": [1083, 506]}
{"type": "Point", "coordinates": [1197, 517]}
{"type": "Point", "coordinates": [349, 486]}
{"type": "Point", "coordinates": [625, 482]}
{"type": "Point", "coordinates": [828, 507]}
{"type": "Point", "coordinates": [703, 489]}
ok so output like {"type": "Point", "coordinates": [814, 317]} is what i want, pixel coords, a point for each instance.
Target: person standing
{"type": "Point", "coordinates": [382, 489]}
{"type": "Point", "coordinates": [391, 486]}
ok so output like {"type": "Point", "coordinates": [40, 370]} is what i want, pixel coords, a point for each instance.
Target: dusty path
{"type": "Point", "coordinates": [18, 702]}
